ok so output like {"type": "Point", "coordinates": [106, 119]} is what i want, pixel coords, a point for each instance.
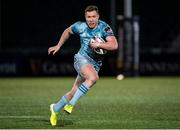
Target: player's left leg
{"type": "Point", "coordinates": [88, 69]}
{"type": "Point", "coordinates": [91, 76]}
{"type": "Point", "coordinates": [67, 97]}
{"type": "Point", "coordinates": [79, 80]}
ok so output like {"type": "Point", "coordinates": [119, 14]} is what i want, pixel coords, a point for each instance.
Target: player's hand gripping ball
{"type": "Point", "coordinates": [99, 40]}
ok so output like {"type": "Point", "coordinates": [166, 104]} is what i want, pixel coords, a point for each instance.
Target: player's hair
{"type": "Point", "coordinates": [91, 8]}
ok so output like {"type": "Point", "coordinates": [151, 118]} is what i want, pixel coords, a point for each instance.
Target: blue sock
{"type": "Point", "coordinates": [82, 90]}
{"type": "Point", "coordinates": [60, 104]}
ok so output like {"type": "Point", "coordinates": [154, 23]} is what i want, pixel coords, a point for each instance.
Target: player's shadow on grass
{"type": "Point", "coordinates": [60, 123]}
{"type": "Point", "coordinates": [63, 123]}
{"type": "Point", "coordinates": [37, 123]}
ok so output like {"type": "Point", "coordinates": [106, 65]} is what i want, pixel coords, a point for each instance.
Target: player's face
{"type": "Point", "coordinates": [92, 18]}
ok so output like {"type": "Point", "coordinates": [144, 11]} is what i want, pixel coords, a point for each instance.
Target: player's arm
{"type": "Point", "coordinates": [110, 44]}
{"type": "Point", "coordinates": [64, 37]}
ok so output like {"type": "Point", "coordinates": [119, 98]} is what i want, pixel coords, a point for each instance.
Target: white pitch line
{"type": "Point", "coordinates": [22, 117]}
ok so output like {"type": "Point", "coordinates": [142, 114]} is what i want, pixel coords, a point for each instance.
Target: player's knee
{"type": "Point", "coordinates": [93, 79]}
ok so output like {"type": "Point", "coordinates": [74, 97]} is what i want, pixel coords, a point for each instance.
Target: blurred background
{"type": "Point", "coordinates": [148, 33]}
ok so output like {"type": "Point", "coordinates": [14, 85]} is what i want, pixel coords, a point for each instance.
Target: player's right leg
{"type": "Point", "coordinates": [53, 117]}
{"type": "Point", "coordinates": [56, 108]}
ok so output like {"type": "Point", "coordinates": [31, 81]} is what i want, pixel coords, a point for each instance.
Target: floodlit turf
{"type": "Point", "coordinates": [136, 103]}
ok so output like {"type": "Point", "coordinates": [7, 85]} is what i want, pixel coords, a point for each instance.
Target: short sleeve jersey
{"type": "Point", "coordinates": [86, 34]}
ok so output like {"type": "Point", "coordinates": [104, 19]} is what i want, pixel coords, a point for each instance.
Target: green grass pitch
{"type": "Point", "coordinates": [132, 103]}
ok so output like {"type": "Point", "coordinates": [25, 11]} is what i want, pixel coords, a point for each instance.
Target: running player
{"type": "Point", "coordinates": [86, 62]}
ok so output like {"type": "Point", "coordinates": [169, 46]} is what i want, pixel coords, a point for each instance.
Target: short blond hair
{"type": "Point", "coordinates": [91, 8]}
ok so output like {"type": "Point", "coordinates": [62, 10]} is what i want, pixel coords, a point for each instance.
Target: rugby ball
{"type": "Point", "coordinates": [101, 41]}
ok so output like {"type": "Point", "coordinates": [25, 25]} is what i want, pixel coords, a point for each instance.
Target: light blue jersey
{"type": "Point", "coordinates": [81, 28]}
{"type": "Point", "coordinates": [86, 34]}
